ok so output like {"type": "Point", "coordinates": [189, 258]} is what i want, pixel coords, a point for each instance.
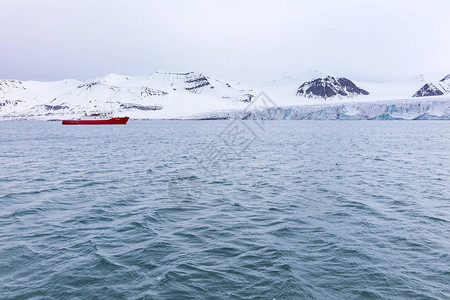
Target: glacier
{"type": "Point", "coordinates": [429, 109]}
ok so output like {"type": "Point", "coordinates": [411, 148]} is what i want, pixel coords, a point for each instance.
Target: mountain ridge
{"type": "Point", "coordinates": [329, 87]}
{"type": "Point", "coordinates": [435, 89]}
{"type": "Point", "coordinates": [181, 94]}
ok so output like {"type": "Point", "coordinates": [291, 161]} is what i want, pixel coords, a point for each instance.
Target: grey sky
{"type": "Point", "coordinates": [247, 41]}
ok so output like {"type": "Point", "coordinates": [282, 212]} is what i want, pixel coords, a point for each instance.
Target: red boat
{"type": "Point", "coordinates": [97, 119]}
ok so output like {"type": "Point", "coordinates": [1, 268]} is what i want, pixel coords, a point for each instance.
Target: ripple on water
{"type": "Point", "coordinates": [360, 211]}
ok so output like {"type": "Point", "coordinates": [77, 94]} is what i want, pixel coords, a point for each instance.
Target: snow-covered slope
{"type": "Point", "coordinates": [428, 89]}
{"type": "Point", "coordinates": [435, 89]}
{"type": "Point", "coordinates": [284, 90]}
{"type": "Point", "coordinates": [445, 84]}
{"type": "Point", "coordinates": [159, 95]}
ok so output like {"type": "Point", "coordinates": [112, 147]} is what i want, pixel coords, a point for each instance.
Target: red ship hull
{"type": "Point", "coordinates": [112, 121]}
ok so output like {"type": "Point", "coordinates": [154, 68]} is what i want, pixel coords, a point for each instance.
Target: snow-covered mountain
{"type": "Point", "coordinates": [428, 89]}
{"type": "Point", "coordinates": [435, 89]}
{"type": "Point", "coordinates": [194, 95]}
{"type": "Point", "coordinates": [137, 96]}
{"type": "Point", "coordinates": [285, 89]}
{"type": "Point", "coordinates": [329, 87]}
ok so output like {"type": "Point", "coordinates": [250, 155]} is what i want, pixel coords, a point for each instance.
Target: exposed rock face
{"type": "Point", "coordinates": [428, 89]}
{"type": "Point", "coordinates": [140, 107]}
{"type": "Point", "coordinates": [438, 89]}
{"type": "Point", "coordinates": [247, 98]}
{"type": "Point", "coordinates": [152, 92]}
{"type": "Point", "coordinates": [445, 84]}
{"type": "Point", "coordinates": [55, 107]}
{"type": "Point", "coordinates": [9, 103]}
{"type": "Point", "coordinates": [329, 87]}
{"type": "Point", "coordinates": [88, 85]}
{"type": "Point", "coordinates": [446, 78]}
{"type": "Point", "coordinates": [7, 86]}
{"type": "Point", "coordinates": [195, 82]}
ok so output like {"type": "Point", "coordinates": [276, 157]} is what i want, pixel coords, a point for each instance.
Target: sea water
{"type": "Point", "coordinates": [225, 210]}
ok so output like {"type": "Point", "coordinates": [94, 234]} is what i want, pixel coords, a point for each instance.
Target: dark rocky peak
{"type": "Point", "coordinates": [446, 78]}
{"type": "Point", "coordinates": [328, 87]}
{"type": "Point", "coordinates": [428, 89]}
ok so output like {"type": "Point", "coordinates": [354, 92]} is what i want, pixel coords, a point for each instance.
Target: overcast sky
{"type": "Point", "coordinates": [246, 41]}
